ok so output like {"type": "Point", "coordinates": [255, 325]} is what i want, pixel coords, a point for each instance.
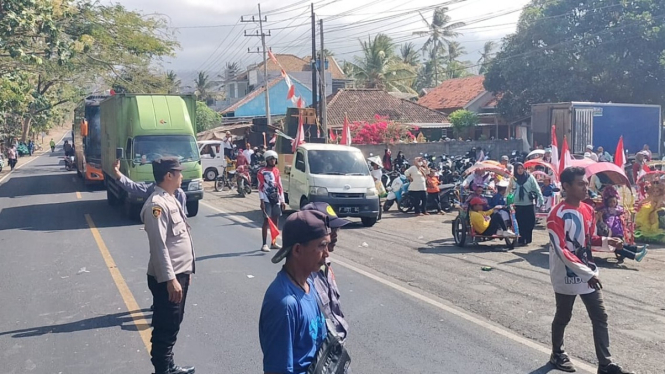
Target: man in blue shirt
{"type": "Point", "coordinates": [292, 327]}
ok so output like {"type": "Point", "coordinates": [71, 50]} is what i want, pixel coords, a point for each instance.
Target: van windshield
{"type": "Point", "coordinates": [336, 162]}
{"type": "Point", "coordinates": [152, 147]}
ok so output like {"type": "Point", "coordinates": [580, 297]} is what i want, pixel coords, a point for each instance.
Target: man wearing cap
{"type": "Point", "coordinates": [324, 277]}
{"type": "Point", "coordinates": [591, 154]}
{"type": "Point", "coordinates": [171, 263]}
{"type": "Point", "coordinates": [604, 156]}
{"type": "Point", "coordinates": [505, 161]}
{"type": "Point", "coordinates": [292, 327]}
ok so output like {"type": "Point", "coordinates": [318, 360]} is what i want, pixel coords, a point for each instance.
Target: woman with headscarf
{"type": "Point", "coordinates": [387, 161]}
{"type": "Point", "coordinates": [525, 191]}
{"type": "Point", "coordinates": [400, 160]}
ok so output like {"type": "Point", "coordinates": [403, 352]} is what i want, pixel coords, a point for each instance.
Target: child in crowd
{"type": "Point", "coordinates": [487, 223]}
{"type": "Point", "coordinates": [433, 190]}
{"type": "Point", "coordinates": [610, 224]}
{"type": "Point", "coordinates": [548, 189]}
{"type": "Point", "coordinates": [499, 198]}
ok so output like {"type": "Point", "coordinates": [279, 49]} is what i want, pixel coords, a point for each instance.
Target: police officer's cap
{"type": "Point", "coordinates": [161, 166]}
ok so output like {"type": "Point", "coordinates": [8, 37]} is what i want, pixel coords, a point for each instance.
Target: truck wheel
{"type": "Point", "coordinates": [192, 208]}
{"type": "Point", "coordinates": [368, 221]}
{"type": "Point", "coordinates": [210, 174]}
{"type": "Point", "coordinates": [303, 202]}
{"type": "Point", "coordinates": [111, 199]}
{"type": "Point", "coordinates": [133, 211]}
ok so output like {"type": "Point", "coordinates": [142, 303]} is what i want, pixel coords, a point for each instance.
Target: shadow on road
{"type": "Point", "coordinates": [546, 368]}
{"type": "Point", "coordinates": [448, 247]}
{"type": "Point", "coordinates": [122, 320]}
{"type": "Point", "coordinates": [40, 184]}
{"type": "Point", "coordinates": [61, 216]}
{"type": "Point", "coordinates": [235, 254]}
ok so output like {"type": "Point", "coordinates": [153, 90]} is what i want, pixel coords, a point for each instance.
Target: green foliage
{"type": "Point", "coordinates": [486, 57]}
{"type": "Point", "coordinates": [569, 50]}
{"type": "Point", "coordinates": [203, 86]}
{"type": "Point", "coordinates": [462, 120]}
{"type": "Point", "coordinates": [206, 118]}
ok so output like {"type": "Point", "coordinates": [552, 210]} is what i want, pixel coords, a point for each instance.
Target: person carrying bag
{"type": "Point", "coordinates": [332, 357]}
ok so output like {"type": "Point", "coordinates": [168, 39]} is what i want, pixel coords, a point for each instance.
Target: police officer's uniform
{"type": "Point", "coordinates": [171, 257]}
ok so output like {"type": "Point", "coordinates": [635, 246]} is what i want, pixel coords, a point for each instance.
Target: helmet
{"type": "Point", "coordinates": [270, 154]}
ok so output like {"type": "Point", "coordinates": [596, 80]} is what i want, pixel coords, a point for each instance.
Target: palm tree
{"type": "Point", "coordinates": [486, 57]}
{"type": "Point", "coordinates": [429, 70]}
{"type": "Point", "coordinates": [409, 54]}
{"type": "Point", "coordinates": [454, 67]}
{"type": "Point", "coordinates": [203, 84]}
{"type": "Point", "coordinates": [172, 82]}
{"type": "Point", "coordinates": [440, 32]}
{"type": "Point", "coordinates": [381, 68]}
{"type": "Point", "coordinates": [232, 70]}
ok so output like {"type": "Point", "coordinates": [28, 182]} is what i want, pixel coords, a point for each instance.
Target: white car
{"type": "Point", "coordinates": [213, 161]}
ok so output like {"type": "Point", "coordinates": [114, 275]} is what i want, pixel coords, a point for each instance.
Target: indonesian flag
{"type": "Point", "coordinates": [300, 135]}
{"type": "Point", "coordinates": [291, 93]}
{"type": "Point", "coordinates": [301, 103]}
{"type": "Point", "coordinates": [274, 139]}
{"type": "Point", "coordinates": [565, 156]}
{"type": "Point", "coordinates": [555, 149]}
{"type": "Point", "coordinates": [620, 155]}
{"type": "Point", "coordinates": [332, 135]}
{"type": "Point", "coordinates": [272, 57]}
{"type": "Point", "coordinates": [346, 132]}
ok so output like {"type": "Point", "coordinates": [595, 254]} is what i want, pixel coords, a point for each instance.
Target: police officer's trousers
{"type": "Point", "coordinates": [166, 319]}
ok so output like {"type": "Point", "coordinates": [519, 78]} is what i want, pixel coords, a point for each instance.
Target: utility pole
{"type": "Point", "coordinates": [265, 58]}
{"type": "Point", "coordinates": [324, 109]}
{"type": "Point", "coordinates": [313, 60]}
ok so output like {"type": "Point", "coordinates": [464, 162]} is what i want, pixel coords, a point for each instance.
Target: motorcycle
{"type": "Point", "coordinates": [69, 163]}
{"type": "Point", "coordinates": [243, 180]}
{"type": "Point", "coordinates": [448, 196]}
{"type": "Point", "coordinates": [396, 190]}
{"type": "Point", "coordinates": [225, 180]}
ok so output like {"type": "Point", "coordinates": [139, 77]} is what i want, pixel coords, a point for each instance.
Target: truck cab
{"type": "Point", "coordinates": [334, 174]}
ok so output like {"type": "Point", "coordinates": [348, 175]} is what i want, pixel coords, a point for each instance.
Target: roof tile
{"type": "Point", "coordinates": [454, 93]}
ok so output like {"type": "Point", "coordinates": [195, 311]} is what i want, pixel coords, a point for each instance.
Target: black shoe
{"type": "Point", "coordinates": [613, 369]}
{"type": "Point", "coordinates": [562, 362]}
{"type": "Point", "coordinates": [181, 369]}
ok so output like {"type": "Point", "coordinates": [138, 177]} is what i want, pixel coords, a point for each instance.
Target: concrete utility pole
{"type": "Point", "coordinates": [324, 109]}
{"type": "Point", "coordinates": [313, 59]}
{"type": "Point", "coordinates": [265, 58]}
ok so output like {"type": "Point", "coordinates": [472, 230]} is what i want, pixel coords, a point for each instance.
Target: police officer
{"type": "Point", "coordinates": [171, 263]}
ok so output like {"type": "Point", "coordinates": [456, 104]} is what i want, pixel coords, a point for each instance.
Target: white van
{"type": "Point", "coordinates": [213, 161]}
{"type": "Point", "coordinates": [335, 174]}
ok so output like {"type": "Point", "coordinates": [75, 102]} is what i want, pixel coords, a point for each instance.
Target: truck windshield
{"type": "Point", "coordinates": [336, 162]}
{"type": "Point", "coordinates": [151, 147]}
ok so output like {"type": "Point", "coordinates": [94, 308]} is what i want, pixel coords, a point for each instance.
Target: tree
{"type": "Point", "coordinates": [380, 67]}
{"type": "Point", "coordinates": [409, 54]}
{"type": "Point", "coordinates": [172, 82]}
{"type": "Point", "coordinates": [440, 32]}
{"type": "Point", "coordinates": [581, 51]}
{"type": "Point", "coordinates": [206, 118]}
{"type": "Point", "coordinates": [432, 67]}
{"type": "Point", "coordinates": [232, 70]}
{"type": "Point", "coordinates": [203, 85]}
{"type": "Point", "coordinates": [462, 120]}
{"type": "Point", "coordinates": [486, 57]}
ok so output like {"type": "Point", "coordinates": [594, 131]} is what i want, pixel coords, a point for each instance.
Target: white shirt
{"type": "Point", "coordinates": [419, 182]}
{"type": "Point", "coordinates": [593, 156]}
{"type": "Point", "coordinates": [376, 174]}
{"type": "Point", "coordinates": [228, 144]}
{"type": "Point", "coordinates": [248, 154]}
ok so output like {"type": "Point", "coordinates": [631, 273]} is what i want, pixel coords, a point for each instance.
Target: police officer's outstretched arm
{"type": "Point", "coordinates": [139, 189]}
{"type": "Point", "coordinates": [156, 226]}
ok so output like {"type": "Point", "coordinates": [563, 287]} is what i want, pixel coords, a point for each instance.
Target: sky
{"type": "Point", "coordinates": [210, 32]}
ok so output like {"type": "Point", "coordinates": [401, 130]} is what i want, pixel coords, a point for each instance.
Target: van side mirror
{"type": "Point", "coordinates": [119, 152]}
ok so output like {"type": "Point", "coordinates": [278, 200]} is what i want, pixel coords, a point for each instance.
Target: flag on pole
{"type": "Point", "coordinates": [300, 135]}
{"type": "Point", "coordinates": [333, 138]}
{"type": "Point", "coordinates": [619, 154]}
{"type": "Point", "coordinates": [565, 156]}
{"type": "Point", "coordinates": [346, 132]}
{"type": "Point", "coordinates": [274, 139]}
{"type": "Point", "coordinates": [555, 149]}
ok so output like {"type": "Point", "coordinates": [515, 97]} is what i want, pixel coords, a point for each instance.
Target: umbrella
{"type": "Point", "coordinates": [607, 171]}
{"type": "Point", "coordinates": [547, 165]}
{"type": "Point", "coordinates": [536, 152]}
{"type": "Point", "coordinates": [488, 168]}
{"type": "Point", "coordinates": [491, 162]}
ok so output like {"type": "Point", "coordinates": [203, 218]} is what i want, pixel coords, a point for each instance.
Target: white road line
{"type": "Point", "coordinates": [581, 365]}
{"type": "Point", "coordinates": [27, 162]}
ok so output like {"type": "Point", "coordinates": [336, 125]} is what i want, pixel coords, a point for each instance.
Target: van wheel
{"type": "Point", "coordinates": [192, 208]}
{"type": "Point", "coordinates": [303, 202]}
{"type": "Point", "coordinates": [368, 221]}
{"type": "Point", "coordinates": [210, 174]}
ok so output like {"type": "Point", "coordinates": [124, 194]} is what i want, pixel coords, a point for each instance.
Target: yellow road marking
{"type": "Point", "coordinates": [130, 302]}
{"type": "Point", "coordinates": [78, 195]}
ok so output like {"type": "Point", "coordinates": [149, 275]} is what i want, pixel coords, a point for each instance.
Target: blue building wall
{"type": "Point", "coordinates": [278, 102]}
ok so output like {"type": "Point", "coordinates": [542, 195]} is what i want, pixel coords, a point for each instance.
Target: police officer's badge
{"type": "Point", "coordinates": [156, 211]}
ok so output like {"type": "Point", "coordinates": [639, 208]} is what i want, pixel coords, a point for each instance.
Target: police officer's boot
{"type": "Point", "coordinates": [175, 369]}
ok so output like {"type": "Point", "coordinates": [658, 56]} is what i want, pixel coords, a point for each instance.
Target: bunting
{"type": "Point", "coordinates": [291, 93]}
{"type": "Point", "coordinates": [555, 149]}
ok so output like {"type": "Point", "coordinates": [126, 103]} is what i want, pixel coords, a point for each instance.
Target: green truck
{"type": "Point", "coordinates": [140, 128]}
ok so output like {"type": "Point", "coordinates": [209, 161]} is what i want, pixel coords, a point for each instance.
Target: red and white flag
{"type": "Point", "coordinates": [300, 135]}
{"type": "Point", "coordinates": [565, 156]}
{"type": "Point", "coordinates": [333, 138]}
{"type": "Point", "coordinates": [620, 155]}
{"type": "Point", "coordinates": [346, 132]}
{"type": "Point", "coordinates": [555, 149]}
{"type": "Point", "coordinates": [274, 139]}
{"type": "Point", "coordinates": [273, 58]}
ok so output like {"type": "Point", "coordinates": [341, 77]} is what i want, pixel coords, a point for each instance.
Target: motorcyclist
{"type": "Point", "coordinates": [69, 150]}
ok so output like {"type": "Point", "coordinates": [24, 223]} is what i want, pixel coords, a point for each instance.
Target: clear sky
{"type": "Point", "coordinates": [210, 33]}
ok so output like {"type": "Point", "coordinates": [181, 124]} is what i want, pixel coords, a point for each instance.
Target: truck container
{"type": "Point", "coordinates": [598, 124]}
{"type": "Point", "coordinates": [145, 127]}
{"type": "Point", "coordinates": [86, 132]}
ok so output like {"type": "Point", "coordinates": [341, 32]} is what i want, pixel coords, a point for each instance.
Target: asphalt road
{"type": "Point", "coordinates": [75, 295]}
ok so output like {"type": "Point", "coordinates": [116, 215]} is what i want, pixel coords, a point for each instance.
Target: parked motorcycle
{"type": "Point", "coordinates": [397, 188]}
{"type": "Point", "coordinates": [243, 180]}
{"type": "Point", "coordinates": [225, 180]}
